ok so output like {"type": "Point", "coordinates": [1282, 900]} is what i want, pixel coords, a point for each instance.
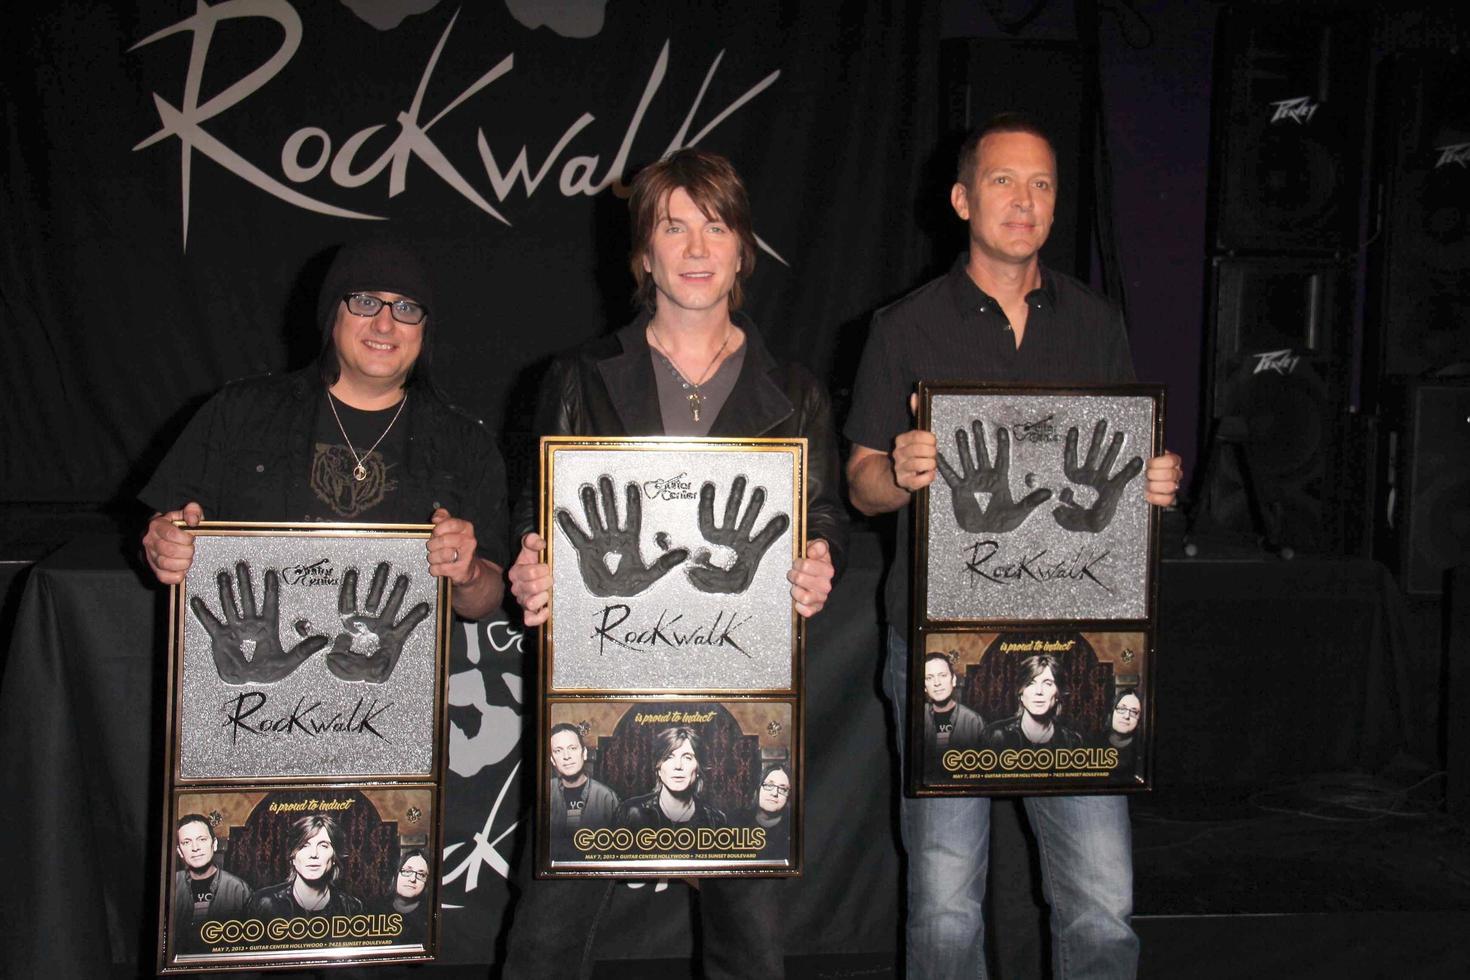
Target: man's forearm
{"type": "Point", "coordinates": [478, 597]}
{"type": "Point", "coordinates": [871, 486]}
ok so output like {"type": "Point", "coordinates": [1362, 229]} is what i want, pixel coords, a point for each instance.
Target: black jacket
{"type": "Point", "coordinates": [644, 811]}
{"type": "Point", "coordinates": [1007, 734]}
{"type": "Point", "coordinates": [276, 901]}
{"type": "Point", "coordinates": [606, 387]}
{"type": "Point", "coordinates": [246, 454]}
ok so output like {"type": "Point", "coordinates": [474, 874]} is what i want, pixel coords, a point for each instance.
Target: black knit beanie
{"type": "Point", "coordinates": [374, 265]}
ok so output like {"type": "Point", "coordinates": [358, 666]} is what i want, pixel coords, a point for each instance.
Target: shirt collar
{"type": "Point", "coordinates": [970, 299]}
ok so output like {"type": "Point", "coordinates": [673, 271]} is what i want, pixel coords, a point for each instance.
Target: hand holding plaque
{"type": "Point", "coordinates": [1003, 513]}
{"type": "Point", "coordinates": [246, 645]}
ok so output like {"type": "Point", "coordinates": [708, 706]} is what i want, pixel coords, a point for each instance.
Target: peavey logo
{"type": "Point", "coordinates": [319, 572]}
{"type": "Point", "coordinates": [1298, 111]}
{"type": "Point", "coordinates": [310, 152]}
{"type": "Point", "coordinates": [1041, 430]}
{"type": "Point", "coordinates": [1280, 361]}
{"type": "Point", "coordinates": [1458, 153]}
{"type": "Point", "coordinates": [673, 488]}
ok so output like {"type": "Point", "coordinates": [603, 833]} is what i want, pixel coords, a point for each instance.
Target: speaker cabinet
{"type": "Point", "coordinates": [1291, 111]}
{"type": "Point", "coordinates": [1421, 258]}
{"type": "Point", "coordinates": [1434, 530]}
{"type": "Point", "coordinates": [1284, 458]}
{"type": "Point", "coordinates": [1300, 307]}
{"type": "Point", "coordinates": [1046, 80]}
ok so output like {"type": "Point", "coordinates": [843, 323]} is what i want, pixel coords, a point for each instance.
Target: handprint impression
{"type": "Point", "coordinates": [602, 540]}
{"type": "Point", "coordinates": [247, 645]}
{"type": "Point", "coordinates": [1003, 513]}
{"type": "Point", "coordinates": [748, 548]}
{"type": "Point", "coordinates": [370, 644]}
{"type": "Point", "coordinates": [1072, 515]}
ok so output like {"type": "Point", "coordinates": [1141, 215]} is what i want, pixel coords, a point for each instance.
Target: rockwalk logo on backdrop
{"type": "Point", "coordinates": [311, 151]}
{"type": "Point", "coordinates": [1280, 361]}
{"type": "Point", "coordinates": [1458, 153]}
{"type": "Point", "coordinates": [1299, 110]}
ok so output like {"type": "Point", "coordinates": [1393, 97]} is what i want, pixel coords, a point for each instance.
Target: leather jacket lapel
{"type": "Point", "coordinates": [630, 383]}
{"type": "Point", "coordinates": [756, 404]}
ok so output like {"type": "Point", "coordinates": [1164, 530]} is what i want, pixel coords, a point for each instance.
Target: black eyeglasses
{"type": "Point", "coordinates": [776, 788]}
{"type": "Point", "coordinates": [402, 310]}
{"type": "Point", "coordinates": [409, 874]}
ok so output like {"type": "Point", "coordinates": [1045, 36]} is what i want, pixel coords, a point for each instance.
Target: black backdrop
{"type": "Point", "coordinates": [174, 178]}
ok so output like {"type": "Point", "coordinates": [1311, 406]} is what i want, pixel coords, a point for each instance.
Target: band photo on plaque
{"type": "Point", "coordinates": [307, 654]}
{"type": "Point", "coordinates": [669, 786]}
{"type": "Point", "coordinates": [255, 878]}
{"type": "Point", "coordinates": [1029, 711]}
{"type": "Point", "coordinates": [669, 561]}
{"type": "Point", "coordinates": [1038, 514]}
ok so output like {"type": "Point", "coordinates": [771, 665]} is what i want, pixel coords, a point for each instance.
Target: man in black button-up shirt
{"type": "Point", "coordinates": [997, 316]}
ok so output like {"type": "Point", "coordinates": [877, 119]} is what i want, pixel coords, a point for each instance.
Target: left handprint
{"type": "Point", "coordinates": [607, 539]}
{"type": "Point", "coordinates": [247, 645]}
{"type": "Point", "coordinates": [370, 644]}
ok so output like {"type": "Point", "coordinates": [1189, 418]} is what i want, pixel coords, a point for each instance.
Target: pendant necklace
{"type": "Point", "coordinates": [696, 399]}
{"type": "Point", "coordinates": [359, 472]}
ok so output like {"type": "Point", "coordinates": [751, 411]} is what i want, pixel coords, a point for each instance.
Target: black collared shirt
{"type": "Point", "coordinates": [951, 330]}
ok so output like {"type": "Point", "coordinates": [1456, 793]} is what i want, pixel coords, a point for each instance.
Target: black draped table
{"type": "Point", "coordinates": [1267, 669]}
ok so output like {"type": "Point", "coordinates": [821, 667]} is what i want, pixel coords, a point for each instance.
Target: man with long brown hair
{"type": "Point", "coordinates": [689, 364]}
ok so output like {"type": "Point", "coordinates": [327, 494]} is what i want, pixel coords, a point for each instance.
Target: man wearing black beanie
{"type": "Point", "coordinates": [362, 435]}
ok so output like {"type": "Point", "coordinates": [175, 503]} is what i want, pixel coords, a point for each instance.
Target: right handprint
{"type": "Point", "coordinates": [1094, 473]}
{"type": "Point", "coordinates": [736, 533]}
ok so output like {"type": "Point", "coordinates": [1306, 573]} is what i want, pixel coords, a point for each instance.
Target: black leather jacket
{"type": "Point", "coordinates": [644, 811]}
{"type": "Point", "coordinates": [1006, 734]}
{"type": "Point", "coordinates": [606, 387]}
{"type": "Point", "coordinates": [275, 902]}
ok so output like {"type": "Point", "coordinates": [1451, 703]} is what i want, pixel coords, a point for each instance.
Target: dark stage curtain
{"type": "Point", "coordinates": [174, 175]}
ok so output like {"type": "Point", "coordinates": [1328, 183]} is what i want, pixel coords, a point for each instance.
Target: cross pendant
{"type": "Point", "coordinates": [694, 403]}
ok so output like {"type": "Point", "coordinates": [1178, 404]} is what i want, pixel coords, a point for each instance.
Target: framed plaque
{"type": "Point", "coordinates": [307, 668]}
{"type": "Point", "coordinates": [1034, 591]}
{"type": "Point", "coordinates": [671, 620]}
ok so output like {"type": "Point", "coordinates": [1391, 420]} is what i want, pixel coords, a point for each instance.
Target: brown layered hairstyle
{"type": "Point", "coordinates": [711, 182]}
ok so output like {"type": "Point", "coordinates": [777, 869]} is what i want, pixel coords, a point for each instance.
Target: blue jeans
{"type": "Point", "coordinates": [1086, 865]}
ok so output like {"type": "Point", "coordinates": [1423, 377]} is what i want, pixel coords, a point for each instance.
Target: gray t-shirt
{"type": "Point", "coordinates": [674, 394]}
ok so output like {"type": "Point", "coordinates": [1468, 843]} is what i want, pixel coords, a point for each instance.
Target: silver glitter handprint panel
{"type": "Point", "coordinates": [669, 562]}
{"type": "Point", "coordinates": [307, 654]}
{"type": "Point", "coordinates": [1037, 512]}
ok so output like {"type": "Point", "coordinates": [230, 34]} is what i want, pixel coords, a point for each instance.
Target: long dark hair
{"type": "Point", "coordinates": [715, 188]}
{"type": "Point", "coordinates": [303, 829]}
{"type": "Point", "coordinates": [664, 745]}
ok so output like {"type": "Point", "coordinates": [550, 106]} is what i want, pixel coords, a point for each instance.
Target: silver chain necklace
{"type": "Point", "coordinates": [696, 400]}
{"type": "Point", "coordinates": [359, 472]}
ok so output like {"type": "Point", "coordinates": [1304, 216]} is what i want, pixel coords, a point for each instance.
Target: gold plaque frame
{"type": "Point", "coordinates": [717, 710]}
{"type": "Point", "coordinates": [393, 640]}
{"type": "Point", "coordinates": [1090, 637]}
